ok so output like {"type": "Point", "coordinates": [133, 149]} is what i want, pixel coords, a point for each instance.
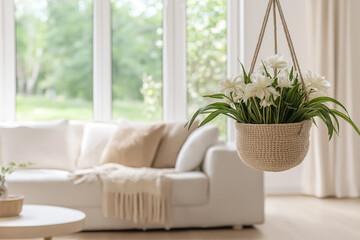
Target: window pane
{"type": "Point", "coordinates": [206, 53]}
{"type": "Point", "coordinates": [54, 59]}
{"type": "Point", "coordinates": [137, 59]}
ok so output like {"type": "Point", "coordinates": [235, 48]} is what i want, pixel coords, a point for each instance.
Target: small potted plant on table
{"type": "Point", "coordinates": [10, 205]}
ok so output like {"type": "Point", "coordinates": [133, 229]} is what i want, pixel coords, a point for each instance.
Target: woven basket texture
{"type": "Point", "coordinates": [11, 206]}
{"type": "Point", "coordinates": [273, 147]}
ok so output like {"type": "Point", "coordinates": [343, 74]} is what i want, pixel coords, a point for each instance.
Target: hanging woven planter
{"type": "Point", "coordinates": [274, 110]}
{"type": "Point", "coordinates": [273, 147]}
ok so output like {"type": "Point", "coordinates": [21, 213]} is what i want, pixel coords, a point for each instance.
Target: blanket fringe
{"type": "Point", "coordinates": [141, 195]}
{"type": "Point", "coordinates": [141, 207]}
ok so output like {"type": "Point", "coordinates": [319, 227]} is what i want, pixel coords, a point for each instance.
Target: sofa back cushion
{"type": "Point", "coordinates": [133, 146]}
{"type": "Point", "coordinates": [193, 151]}
{"type": "Point", "coordinates": [76, 132]}
{"type": "Point", "coordinates": [45, 144]}
{"type": "Point", "coordinates": [95, 138]}
{"type": "Point", "coordinates": [174, 137]}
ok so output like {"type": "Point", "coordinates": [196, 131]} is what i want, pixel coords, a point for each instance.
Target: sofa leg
{"type": "Point", "coordinates": [247, 226]}
{"type": "Point", "coordinates": [238, 227]}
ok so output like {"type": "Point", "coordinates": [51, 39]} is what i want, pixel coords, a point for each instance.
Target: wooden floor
{"type": "Point", "coordinates": [287, 217]}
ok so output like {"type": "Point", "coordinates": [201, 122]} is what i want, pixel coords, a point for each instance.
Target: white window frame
{"type": "Point", "coordinates": [7, 61]}
{"type": "Point", "coordinates": [235, 49]}
{"type": "Point", "coordinates": [174, 58]}
{"type": "Point", "coordinates": [102, 85]}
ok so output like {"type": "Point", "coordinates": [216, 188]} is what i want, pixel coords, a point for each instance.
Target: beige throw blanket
{"type": "Point", "coordinates": [142, 195]}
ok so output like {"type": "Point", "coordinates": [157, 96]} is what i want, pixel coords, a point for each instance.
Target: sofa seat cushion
{"type": "Point", "coordinates": [189, 188]}
{"type": "Point", "coordinates": [53, 187]}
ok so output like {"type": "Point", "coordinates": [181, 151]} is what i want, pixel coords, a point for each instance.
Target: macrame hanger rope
{"type": "Point", "coordinates": [275, 34]}
{"type": "Point", "coordinates": [261, 36]}
{"type": "Point", "coordinates": [291, 45]}
{"type": "Point", "coordinates": [287, 35]}
{"type": "Point", "coordinates": [273, 4]}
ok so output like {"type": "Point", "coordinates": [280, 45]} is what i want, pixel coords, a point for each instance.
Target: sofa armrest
{"type": "Point", "coordinates": [233, 184]}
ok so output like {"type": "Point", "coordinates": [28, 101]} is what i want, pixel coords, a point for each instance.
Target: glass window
{"type": "Point", "coordinates": [137, 59]}
{"type": "Point", "coordinates": [53, 59]}
{"type": "Point", "coordinates": [206, 53]}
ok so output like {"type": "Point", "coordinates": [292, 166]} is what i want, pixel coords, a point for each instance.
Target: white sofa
{"type": "Point", "coordinates": [221, 192]}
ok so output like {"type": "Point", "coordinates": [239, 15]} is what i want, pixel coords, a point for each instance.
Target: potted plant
{"type": "Point", "coordinates": [274, 109]}
{"type": "Point", "coordinates": [10, 205]}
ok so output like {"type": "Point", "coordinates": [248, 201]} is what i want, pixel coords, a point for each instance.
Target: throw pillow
{"type": "Point", "coordinates": [193, 151]}
{"type": "Point", "coordinates": [45, 144]}
{"type": "Point", "coordinates": [174, 137]}
{"type": "Point", "coordinates": [133, 146]}
{"type": "Point", "coordinates": [95, 137]}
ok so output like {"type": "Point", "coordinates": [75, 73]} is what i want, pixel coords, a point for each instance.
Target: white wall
{"type": "Point", "coordinates": [294, 11]}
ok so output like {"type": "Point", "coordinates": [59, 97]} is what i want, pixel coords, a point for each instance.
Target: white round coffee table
{"type": "Point", "coordinates": [42, 221]}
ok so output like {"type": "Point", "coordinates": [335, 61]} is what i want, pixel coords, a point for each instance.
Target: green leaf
{"type": "Point", "coordinates": [252, 115]}
{"type": "Point", "coordinates": [267, 74]}
{"type": "Point", "coordinates": [189, 123]}
{"type": "Point", "coordinates": [296, 115]}
{"type": "Point", "coordinates": [275, 82]}
{"type": "Point", "coordinates": [246, 78]}
{"type": "Point", "coordinates": [324, 100]}
{"type": "Point", "coordinates": [314, 122]}
{"type": "Point", "coordinates": [337, 127]}
{"type": "Point", "coordinates": [347, 119]}
{"type": "Point", "coordinates": [210, 117]}
{"type": "Point", "coordinates": [216, 96]}
{"type": "Point", "coordinates": [324, 115]}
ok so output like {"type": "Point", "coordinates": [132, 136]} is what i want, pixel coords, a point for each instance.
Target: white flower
{"type": "Point", "coordinates": [263, 86]}
{"type": "Point", "coordinates": [239, 94]}
{"type": "Point", "coordinates": [260, 69]}
{"type": "Point", "coordinates": [283, 79]}
{"type": "Point", "coordinates": [314, 80]}
{"type": "Point", "coordinates": [276, 61]}
{"type": "Point", "coordinates": [316, 85]}
{"type": "Point", "coordinates": [233, 85]}
{"type": "Point", "coordinates": [265, 103]}
{"type": "Point", "coordinates": [249, 91]}
{"type": "Point", "coordinates": [314, 94]}
{"type": "Point", "coordinates": [295, 74]}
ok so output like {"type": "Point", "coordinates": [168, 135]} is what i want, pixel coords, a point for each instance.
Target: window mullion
{"type": "Point", "coordinates": [174, 60]}
{"type": "Point", "coordinates": [7, 61]}
{"type": "Point", "coordinates": [235, 48]}
{"type": "Point", "coordinates": [102, 60]}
